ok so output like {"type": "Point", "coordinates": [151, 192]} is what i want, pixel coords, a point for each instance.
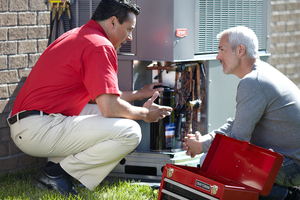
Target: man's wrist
{"type": "Point", "coordinates": [207, 139]}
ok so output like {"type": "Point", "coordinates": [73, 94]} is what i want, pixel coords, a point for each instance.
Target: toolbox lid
{"type": "Point", "coordinates": [243, 163]}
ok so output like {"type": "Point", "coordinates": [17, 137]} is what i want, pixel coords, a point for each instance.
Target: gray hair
{"type": "Point", "coordinates": [242, 35]}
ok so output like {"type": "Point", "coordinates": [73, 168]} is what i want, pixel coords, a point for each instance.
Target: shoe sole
{"type": "Point", "coordinates": [38, 184]}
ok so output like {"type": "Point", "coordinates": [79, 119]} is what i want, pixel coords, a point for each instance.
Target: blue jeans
{"type": "Point", "coordinates": [288, 176]}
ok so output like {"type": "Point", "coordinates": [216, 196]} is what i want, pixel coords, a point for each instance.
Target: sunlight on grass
{"type": "Point", "coordinates": [19, 186]}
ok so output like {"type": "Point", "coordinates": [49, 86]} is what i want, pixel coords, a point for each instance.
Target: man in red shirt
{"type": "Point", "coordinates": [51, 116]}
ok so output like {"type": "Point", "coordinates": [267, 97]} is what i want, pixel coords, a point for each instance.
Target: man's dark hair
{"type": "Point", "coordinates": [117, 8]}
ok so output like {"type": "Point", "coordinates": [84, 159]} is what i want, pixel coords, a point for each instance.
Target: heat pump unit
{"type": "Point", "coordinates": [176, 30]}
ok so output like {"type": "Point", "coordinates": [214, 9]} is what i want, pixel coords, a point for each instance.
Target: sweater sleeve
{"type": "Point", "coordinates": [251, 105]}
{"type": "Point", "coordinates": [225, 129]}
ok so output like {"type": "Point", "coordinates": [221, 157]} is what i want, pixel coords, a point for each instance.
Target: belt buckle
{"type": "Point", "coordinates": [17, 117]}
{"type": "Point", "coordinates": [11, 117]}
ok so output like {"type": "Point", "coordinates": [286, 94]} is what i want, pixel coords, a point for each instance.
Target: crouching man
{"type": "Point", "coordinates": [51, 116]}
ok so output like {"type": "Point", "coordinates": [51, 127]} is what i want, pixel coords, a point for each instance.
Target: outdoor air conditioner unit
{"type": "Point", "coordinates": [198, 22]}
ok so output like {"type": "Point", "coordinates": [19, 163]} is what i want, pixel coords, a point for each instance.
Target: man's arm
{"type": "Point", "coordinates": [146, 92]}
{"type": "Point", "coordinates": [250, 108]}
{"type": "Point", "coordinates": [112, 106]}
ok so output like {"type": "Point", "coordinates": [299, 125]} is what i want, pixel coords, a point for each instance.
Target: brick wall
{"type": "Point", "coordinates": [24, 26]}
{"type": "Point", "coordinates": [285, 38]}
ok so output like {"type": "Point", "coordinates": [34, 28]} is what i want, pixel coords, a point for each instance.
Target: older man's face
{"type": "Point", "coordinates": [227, 57]}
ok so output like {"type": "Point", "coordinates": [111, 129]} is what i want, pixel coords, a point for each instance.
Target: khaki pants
{"type": "Point", "coordinates": [91, 144]}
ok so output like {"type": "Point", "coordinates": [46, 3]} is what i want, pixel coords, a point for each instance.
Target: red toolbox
{"type": "Point", "coordinates": [232, 170]}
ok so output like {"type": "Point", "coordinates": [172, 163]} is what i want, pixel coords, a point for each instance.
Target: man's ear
{"type": "Point", "coordinates": [241, 50]}
{"type": "Point", "coordinates": [112, 22]}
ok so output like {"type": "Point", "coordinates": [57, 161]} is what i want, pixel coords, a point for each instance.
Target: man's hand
{"type": "Point", "coordinates": [148, 90]}
{"type": "Point", "coordinates": [156, 112]}
{"type": "Point", "coordinates": [111, 106]}
{"type": "Point", "coordinates": [193, 144]}
{"type": "Point", "coordinates": [150, 101]}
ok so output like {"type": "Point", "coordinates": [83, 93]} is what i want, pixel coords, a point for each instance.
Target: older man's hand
{"type": "Point", "coordinates": [193, 144]}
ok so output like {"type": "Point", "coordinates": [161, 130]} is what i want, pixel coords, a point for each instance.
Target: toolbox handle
{"type": "Point", "coordinates": [245, 145]}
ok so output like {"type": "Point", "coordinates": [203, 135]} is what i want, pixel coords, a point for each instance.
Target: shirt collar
{"type": "Point", "coordinates": [92, 23]}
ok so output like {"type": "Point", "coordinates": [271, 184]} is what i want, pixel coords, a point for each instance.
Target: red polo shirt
{"type": "Point", "coordinates": [77, 67]}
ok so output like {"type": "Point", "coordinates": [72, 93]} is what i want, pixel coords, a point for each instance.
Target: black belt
{"type": "Point", "coordinates": [24, 114]}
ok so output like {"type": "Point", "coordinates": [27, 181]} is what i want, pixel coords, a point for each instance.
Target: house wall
{"type": "Point", "coordinates": [24, 27]}
{"type": "Point", "coordinates": [285, 38]}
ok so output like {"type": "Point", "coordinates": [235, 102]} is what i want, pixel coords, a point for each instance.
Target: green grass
{"type": "Point", "coordinates": [19, 186]}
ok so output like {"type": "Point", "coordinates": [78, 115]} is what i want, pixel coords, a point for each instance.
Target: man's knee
{"type": "Point", "coordinates": [133, 132]}
{"type": "Point", "coordinates": [137, 131]}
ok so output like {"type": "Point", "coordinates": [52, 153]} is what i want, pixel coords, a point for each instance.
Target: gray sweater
{"type": "Point", "coordinates": [267, 112]}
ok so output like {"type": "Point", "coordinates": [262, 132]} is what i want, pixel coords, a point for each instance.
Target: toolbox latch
{"type": "Point", "coordinates": [170, 172]}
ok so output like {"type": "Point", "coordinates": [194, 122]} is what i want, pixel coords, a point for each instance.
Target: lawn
{"type": "Point", "coordinates": [19, 186]}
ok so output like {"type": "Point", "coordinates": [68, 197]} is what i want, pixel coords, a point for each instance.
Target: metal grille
{"type": "Point", "coordinates": [218, 15]}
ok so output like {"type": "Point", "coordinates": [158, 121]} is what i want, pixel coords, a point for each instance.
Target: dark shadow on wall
{"type": "Point", "coordinates": [4, 127]}
{"type": "Point", "coordinates": [12, 159]}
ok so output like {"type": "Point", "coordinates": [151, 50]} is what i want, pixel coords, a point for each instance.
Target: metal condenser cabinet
{"type": "Point", "coordinates": [232, 170]}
